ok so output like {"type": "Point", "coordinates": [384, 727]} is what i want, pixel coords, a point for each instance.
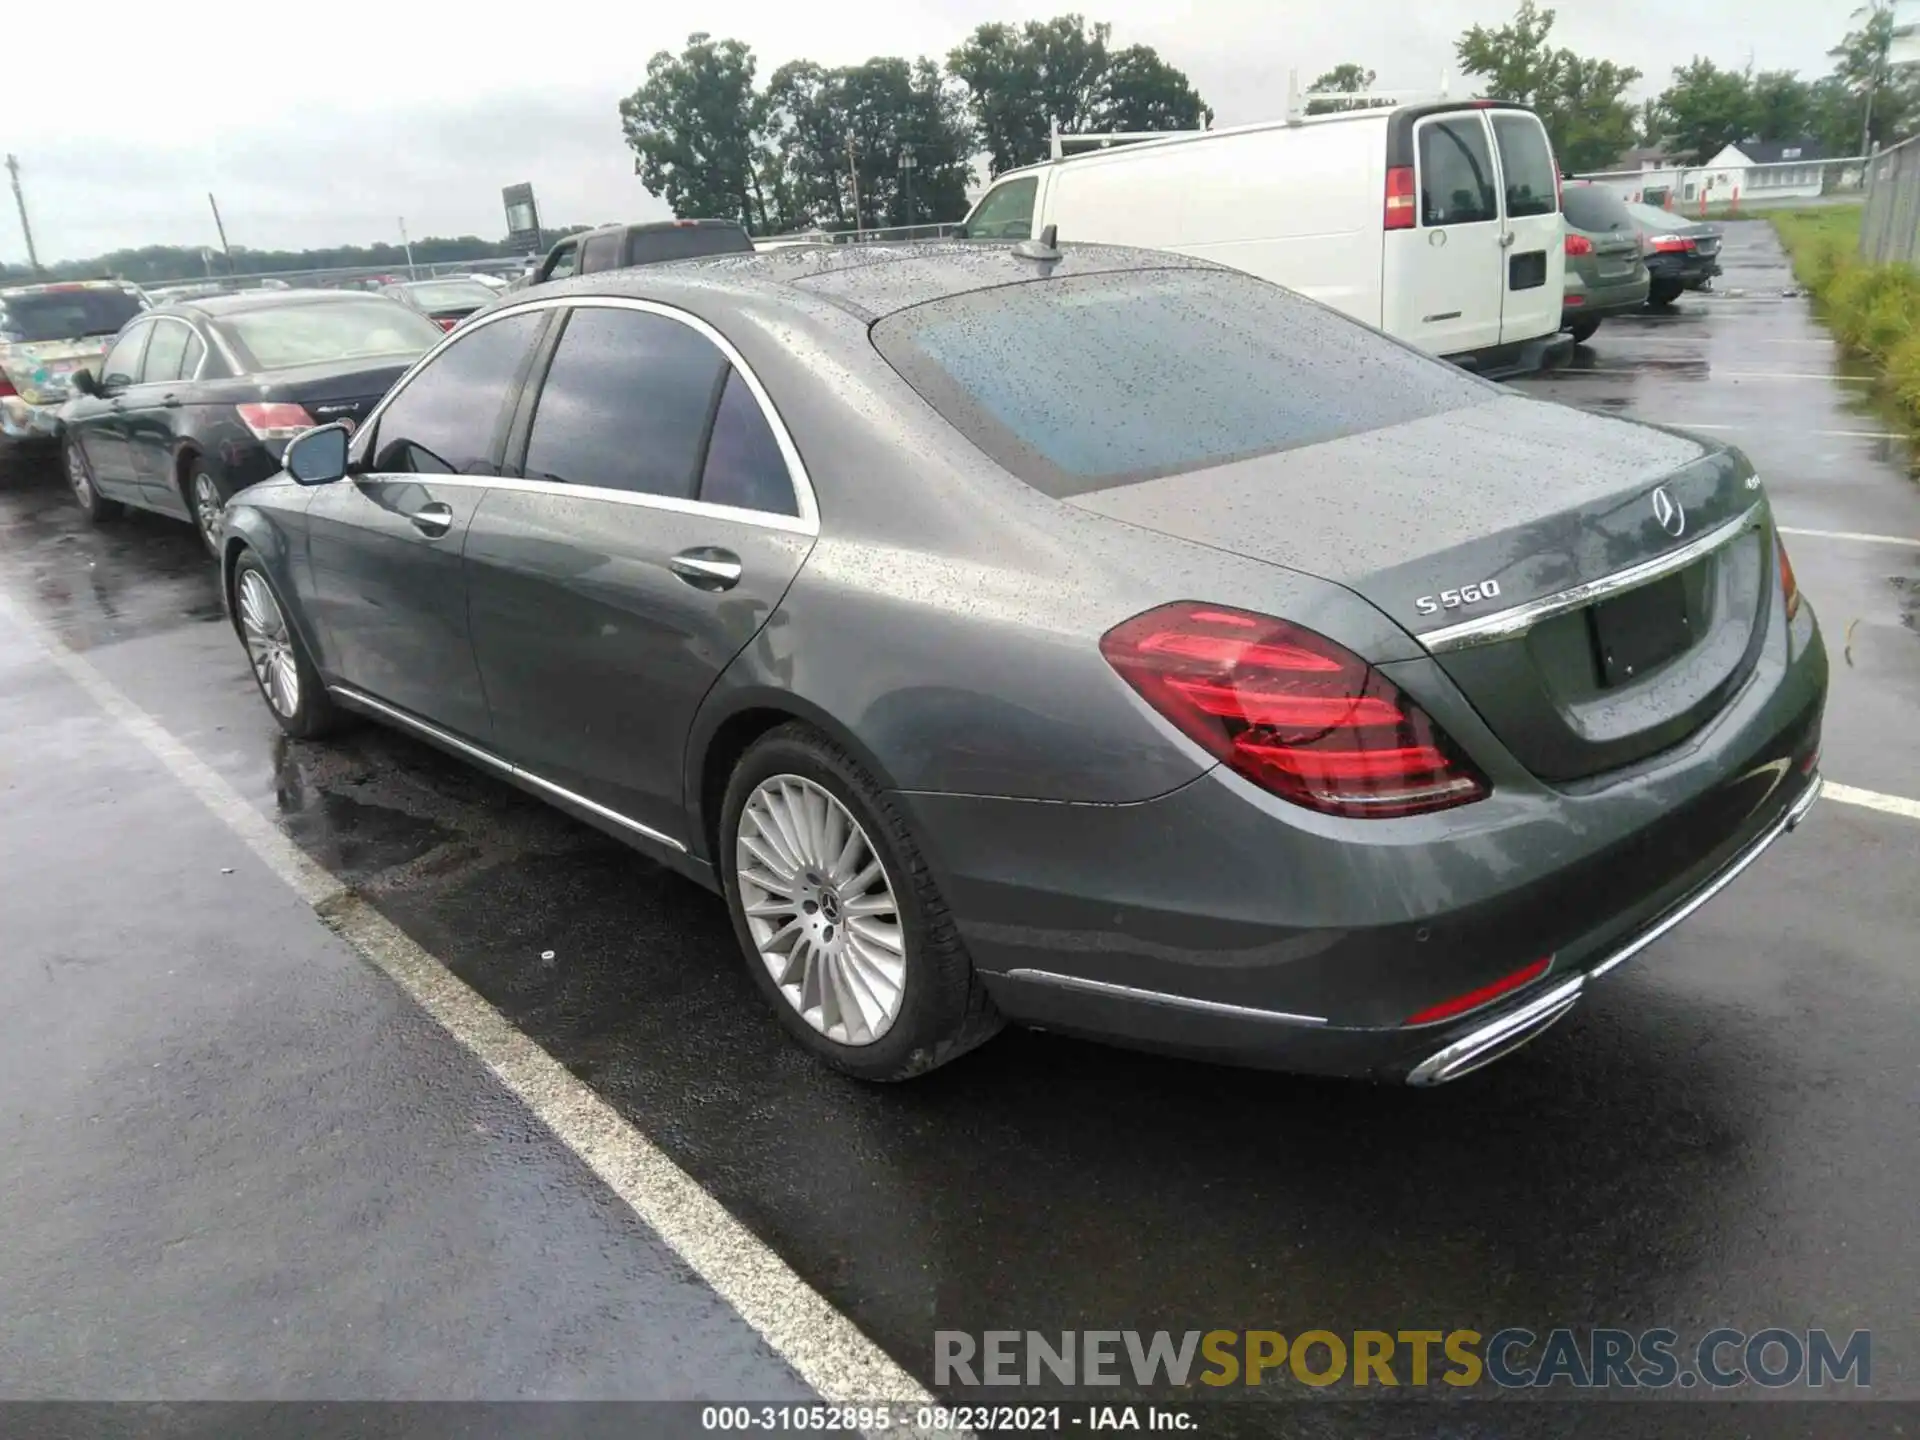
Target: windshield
{"type": "Point", "coordinates": [1083, 383]}
{"type": "Point", "coordinates": [310, 334]}
{"type": "Point", "coordinates": [65, 314]}
{"type": "Point", "coordinates": [450, 294]}
{"type": "Point", "coordinates": [688, 242]}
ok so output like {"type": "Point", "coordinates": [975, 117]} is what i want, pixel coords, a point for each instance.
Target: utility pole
{"type": "Point", "coordinates": [407, 245]}
{"type": "Point", "coordinates": [853, 174]}
{"type": "Point", "coordinates": [225, 249]}
{"type": "Point", "coordinates": [907, 166]}
{"type": "Point", "coordinates": [20, 199]}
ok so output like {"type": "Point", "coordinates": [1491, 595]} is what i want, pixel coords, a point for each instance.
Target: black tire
{"type": "Point", "coordinates": [1664, 292]}
{"type": "Point", "coordinates": [95, 506]}
{"type": "Point", "coordinates": [944, 1009]}
{"type": "Point", "coordinates": [1582, 330]}
{"type": "Point", "coordinates": [199, 473]}
{"type": "Point", "coordinates": [314, 716]}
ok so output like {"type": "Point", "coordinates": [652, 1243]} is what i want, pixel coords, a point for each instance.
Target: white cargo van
{"type": "Point", "coordinates": [1437, 221]}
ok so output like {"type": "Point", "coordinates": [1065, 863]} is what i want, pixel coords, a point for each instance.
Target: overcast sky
{"type": "Point", "coordinates": [324, 125]}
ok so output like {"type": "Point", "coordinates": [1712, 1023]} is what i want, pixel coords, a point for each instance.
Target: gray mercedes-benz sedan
{"type": "Point", "coordinates": [1095, 638]}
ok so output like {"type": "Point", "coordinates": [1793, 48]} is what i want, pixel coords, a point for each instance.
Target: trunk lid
{"type": "Point", "coordinates": [41, 370]}
{"type": "Point", "coordinates": [1447, 521]}
{"type": "Point", "coordinates": [327, 392]}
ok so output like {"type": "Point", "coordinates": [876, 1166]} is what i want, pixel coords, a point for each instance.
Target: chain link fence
{"type": "Point", "coordinates": [1890, 226]}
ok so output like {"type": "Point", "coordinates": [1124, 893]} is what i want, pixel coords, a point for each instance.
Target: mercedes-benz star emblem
{"type": "Point", "coordinates": [1667, 511]}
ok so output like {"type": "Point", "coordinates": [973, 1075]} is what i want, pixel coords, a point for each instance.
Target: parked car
{"type": "Point", "coordinates": [616, 247]}
{"type": "Point", "coordinates": [46, 333]}
{"type": "Point", "coordinates": [1681, 254]}
{"type": "Point", "coordinates": [1091, 637]}
{"type": "Point", "coordinates": [493, 282]}
{"type": "Point", "coordinates": [445, 302]}
{"type": "Point", "coordinates": [1606, 274]}
{"type": "Point", "coordinates": [196, 401]}
{"type": "Point", "coordinates": [1438, 222]}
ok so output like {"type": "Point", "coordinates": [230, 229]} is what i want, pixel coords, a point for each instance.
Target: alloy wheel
{"type": "Point", "coordinates": [269, 644]}
{"type": "Point", "coordinates": [77, 475]}
{"type": "Point", "coordinates": [207, 509]}
{"type": "Point", "coordinates": [821, 910]}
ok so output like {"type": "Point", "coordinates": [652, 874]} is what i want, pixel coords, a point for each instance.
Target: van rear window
{"type": "Point", "coordinates": [1527, 162]}
{"type": "Point", "coordinates": [1089, 382]}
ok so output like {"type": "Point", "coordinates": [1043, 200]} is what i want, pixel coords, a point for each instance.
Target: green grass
{"type": "Point", "coordinates": [1874, 310]}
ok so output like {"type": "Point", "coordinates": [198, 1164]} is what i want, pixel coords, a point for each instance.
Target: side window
{"type": "Point", "coordinates": [1456, 173]}
{"type": "Point", "coordinates": [625, 403]}
{"type": "Point", "coordinates": [744, 465]}
{"type": "Point", "coordinates": [1007, 211]}
{"type": "Point", "coordinates": [564, 262]}
{"type": "Point", "coordinates": [165, 352]}
{"type": "Point", "coordinates": [447, 421]}
{"type": "Point", "coordinates": [602, 252]}
{"type": "Point", "coordinates": [122, 365]}
{"type": "Point", "coordinates": [196, 352]}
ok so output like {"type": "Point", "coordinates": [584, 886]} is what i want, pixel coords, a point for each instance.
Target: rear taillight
{"type": "Point", "coordinates": [1399, 215]}
{"type": "Point", "coordinates": [275, 421]}
{"type": "Point", "coordinates": [447, 322]}
{"type": "Point", "coordinates": [1291, 711]}
{"type": "Point", "coordinates": [6, 385]}
{"type": "Point", "coordinates": [1789, 587]}
{"type": "Point", "coordinates": [1579, 245]}
{"type": "Point", "coordinates": [1669, 244]}
{"type": "Point", "coordinates": [1474, 999]}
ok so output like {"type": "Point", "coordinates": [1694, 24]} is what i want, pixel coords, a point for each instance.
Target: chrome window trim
{"type": "Point", "coordinates": [1162, 997]}
{"type": "Point", "coordinates": [143, 321]}
{"type": "Point", "coordinates": [357, 697]}
{"type": "Point", "coordinates": [192, 330]}
{"type": "Point", "coordinates": [1518, 620]}
{"type": "Point", "coordinates": [807, 522]}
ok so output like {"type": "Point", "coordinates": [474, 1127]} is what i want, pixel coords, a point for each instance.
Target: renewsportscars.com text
{"type": "Point", "coordinates": [1512, 1358]}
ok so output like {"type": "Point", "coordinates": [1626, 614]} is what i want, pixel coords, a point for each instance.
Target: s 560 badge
{"type": "Point", "coordinates": [1454, 599]}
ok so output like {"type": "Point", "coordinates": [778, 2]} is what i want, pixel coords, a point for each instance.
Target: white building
{"type": "Point", "coordinates": [1757, 171]}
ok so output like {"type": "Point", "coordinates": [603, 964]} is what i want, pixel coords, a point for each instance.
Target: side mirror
{"type": "Point", "coordinates": [83, 382]}
{"type": "Point", "coordinates": [318, 456]}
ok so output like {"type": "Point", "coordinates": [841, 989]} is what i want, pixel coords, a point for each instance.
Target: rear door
{"type": "Point", "coordinates": [1534, 278]}
{"type": "Point", "coordinates": [659, 515]}
{"type": "Point", "coordinates": [1445, 277]}
{"type": "Point", "coordinates": [153, 406]}
{"type": "Point", "coordinates": [384, 545]}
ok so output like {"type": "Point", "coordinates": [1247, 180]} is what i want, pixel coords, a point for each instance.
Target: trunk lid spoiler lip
{"type": "Point", "coordinates": [1517, 620]}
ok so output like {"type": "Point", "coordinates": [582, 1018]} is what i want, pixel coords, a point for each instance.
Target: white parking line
{"type": "Point", "coordinates": [1787, 429]}
{"type": "Point", "coordinates": [1859, 535]}
{"type": "Point", "coordinates": [1872, 800]}
{"type": "Point", "coordinates": [1711, 374]}
{"type": "Point", "coordinates": [823, 1346]}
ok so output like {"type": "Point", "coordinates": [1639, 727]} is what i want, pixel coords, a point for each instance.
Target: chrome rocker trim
{"type": "Point", "coordinates": [1509, 1031]}
{"type": "Point", "coordinates": [1507, 624]}
{"type": "Point", "coordinates": [359, 700]}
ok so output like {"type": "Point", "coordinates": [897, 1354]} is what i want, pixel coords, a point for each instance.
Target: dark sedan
{"type": "Point", "coordinates": [196, 401]}
{"type": "Point", "coordinates": [1098, 638]}
{"type": "Point", "coordinates": [1681, 254]}
{"type": "Point", "coordinates": [445, 302]}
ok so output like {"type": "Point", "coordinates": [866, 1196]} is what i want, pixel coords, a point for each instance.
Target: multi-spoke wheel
{"type": "Point", "coordinates": [209, 504]}
{"type": "Point", "coordinates": [844, 928]}
{"type": "Point", "coordinates": [287, 680]}
{"type": "Point", "coordinates": [80, 476]}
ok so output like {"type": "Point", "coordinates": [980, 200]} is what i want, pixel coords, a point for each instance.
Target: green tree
{"type": "Point", "coordinates": [1880, 102]}
{"type": "Point", "coordinates": [1782, 105]}
{"type": "Point", "coordinates": [1580, 100]}
{"type": "Point", "coordinates": [1020, 82]}
{"type": "Point", "coordinates": [1707, 109]}
{"type": "Point", "coordinates": [692, 124]}
{"type": "Point", "coordinates": [1347, 79]}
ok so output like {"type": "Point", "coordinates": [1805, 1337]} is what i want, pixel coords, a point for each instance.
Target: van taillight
{"type": "Point", "coordinates": [1400, 198]}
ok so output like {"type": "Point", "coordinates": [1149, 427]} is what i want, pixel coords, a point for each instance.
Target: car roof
{"type": "Point", "coordinates": [867, 281]}
{"type": "Point", "coordinates": [53, 286]}
{"type": "Point", "coordinates": [215, 307]}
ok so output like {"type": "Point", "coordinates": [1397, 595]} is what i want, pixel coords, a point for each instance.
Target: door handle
{"type": "Point", "coordinates": [707, 567]}
{"type": "Point", "coordinates": [432, 520]}
{"type": "Point", "coordinates": [1506, 239]}
{"type": "Point", "coordinates": [172, 402]}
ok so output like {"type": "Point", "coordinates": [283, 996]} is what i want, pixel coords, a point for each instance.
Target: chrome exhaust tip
{"type": "Point", "coordinates": [1497, 1038]}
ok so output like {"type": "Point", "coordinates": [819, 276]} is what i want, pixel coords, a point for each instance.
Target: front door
{"type": "Point", "coordinates": [384, 545]}
{"type": "Point", "coordinates": [1456, 257]}
{"type": "Point", "coordinates": [99, 422]}
{"type": "Point", "coordinates": [1536, 259]}
{"type": "Point", "coordinates": [656, 526]}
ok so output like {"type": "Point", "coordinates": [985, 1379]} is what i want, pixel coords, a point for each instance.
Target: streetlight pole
{"type": "Point", "coordinates": [407, 245]}
{"type": "Point", "coordinates": [20, 199]}
{"type": "Point", "coordinates": [853, 174]}
{"type": "Point", "coordinates": [907, 166]}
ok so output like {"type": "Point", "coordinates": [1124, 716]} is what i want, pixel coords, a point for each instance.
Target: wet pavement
{"type": "Point", "coordinates": [1725, 1133]}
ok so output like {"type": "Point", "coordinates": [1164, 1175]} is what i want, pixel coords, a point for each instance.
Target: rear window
{"type": "Point", "coordinates": [65, 314]}
{"type": "Point", "coordinates": [293, 335]}
{"type": "Point", "coordinates": [450, 294]}
{"type": "Point", "coordinates": [1101, 380]}
{"type": "Point", "coordinates": [1526, 160]}
{"type": "Point", "coordinates": [686, 242]}
{"type": "Point", "coordinates": [1595, 208]}
{"type": "Point", "coordinates": [1456, 173]}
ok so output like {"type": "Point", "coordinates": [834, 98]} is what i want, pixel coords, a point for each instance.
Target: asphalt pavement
{"type": "Point", "coordinates": [242, 1161]}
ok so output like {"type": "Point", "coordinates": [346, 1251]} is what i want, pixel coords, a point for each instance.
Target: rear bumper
{"type": "Point", "coordinates": [1690, 271]}
{"type": "Point", "coordinates": [1212, 924]}
{"type": "Point", "coordinates": [21, 422]}
{"type": "Point", "coordinates": [1600, 301]}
